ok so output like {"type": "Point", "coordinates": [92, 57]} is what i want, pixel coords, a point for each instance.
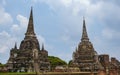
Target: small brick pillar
{"type": "Point", "coordinates": [113, 72]}
{"type": "Point", "coordinates": [101, 72]}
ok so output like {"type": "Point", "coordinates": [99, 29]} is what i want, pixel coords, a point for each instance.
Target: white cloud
{"type": "Point", "coordinates": [6, 41]}
{"type": "Point", "coordinates": [4, 34]}
{"type": "Point", "coordinates": [110, 33]}
{"type": "Point", "coordinates": [23, 20]}
{"type": "Point", "coordinates": [20, 28]}
{"type": "Point", "coordinates": [72, 6]}
{"type": "Point", "coordinates": [88, 8]}
{"type": "Point", "coordinates": [15, 27]}
{"type": "Point", "coordinates": [5, 18]}
{"type": "Point", "coordinates": [66, 3]}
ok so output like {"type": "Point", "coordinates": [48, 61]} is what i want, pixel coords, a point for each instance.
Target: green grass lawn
{"type": "Point", "coordinates": [17, 73]}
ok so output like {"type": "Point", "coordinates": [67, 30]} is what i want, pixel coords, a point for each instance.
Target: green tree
{"type": "Point", "coordinates": [55, 61]}
{"type": "Point", "coordinates": [70, 62]}
{"type": "Point", "coordinates": [2, 65]}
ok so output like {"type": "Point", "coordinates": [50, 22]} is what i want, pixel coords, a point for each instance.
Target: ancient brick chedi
{"type": "Point", "coordinates": [29, 57]}
{"type": "Point", "coordinates": [85, 57]}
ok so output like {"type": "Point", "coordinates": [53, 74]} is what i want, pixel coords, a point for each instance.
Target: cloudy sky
{"type": "Point", "coordinates": [58, 24]}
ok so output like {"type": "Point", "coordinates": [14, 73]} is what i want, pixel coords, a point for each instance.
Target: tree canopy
{"type": "Point", "coordinates": [55, 61]}
{"type": "Point", "coordinates": [2, 65]}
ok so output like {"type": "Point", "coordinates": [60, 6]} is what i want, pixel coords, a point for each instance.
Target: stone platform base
{"type": "Point", "coordinates": [68, 73]}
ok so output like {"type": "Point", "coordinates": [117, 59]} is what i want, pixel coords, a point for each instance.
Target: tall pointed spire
{"type": "Point", "coordinates": [30, 29]}
{"type": "Point", "coordinates": [15, 47]}
{"type": "Point", "coordinates": [30, 36]}
{"type": "Point", "coordinates": [84, 32]}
